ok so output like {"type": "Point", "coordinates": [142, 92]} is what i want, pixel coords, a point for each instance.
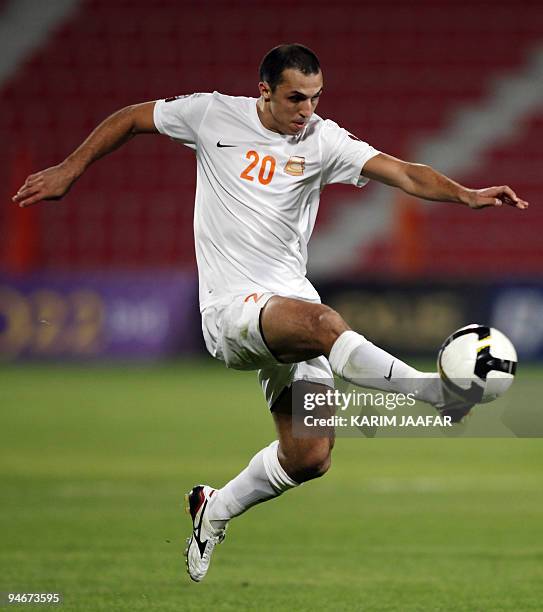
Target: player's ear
{"type": "Point", "coordinates": [265, 90]}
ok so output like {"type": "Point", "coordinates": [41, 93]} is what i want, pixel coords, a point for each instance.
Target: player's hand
{"type": "Point", "coordinates": [495, 196]}
{"type": "Point", "coordinates": [50, 184]}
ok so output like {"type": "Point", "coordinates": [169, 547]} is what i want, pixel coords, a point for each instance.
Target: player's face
{"type": "Point", "coordinates": [293, 102]}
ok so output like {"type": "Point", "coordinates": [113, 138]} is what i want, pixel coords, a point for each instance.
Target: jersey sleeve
{"type": "Point", "coordinates": [180, 117]}
{"type": "Point", "coordinates": [344, 156]}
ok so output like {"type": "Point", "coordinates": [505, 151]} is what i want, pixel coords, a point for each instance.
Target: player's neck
{"type": "Point", "coordinates": [265, 116]}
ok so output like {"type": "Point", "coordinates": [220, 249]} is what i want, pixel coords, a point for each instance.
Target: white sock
{"type": "Point", "coordinates": [262, 479]}
{"type": "Point", "coordinates": [359, 361]}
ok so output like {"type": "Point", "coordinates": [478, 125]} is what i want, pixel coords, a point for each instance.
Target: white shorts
{"type": "Point", "coordinates": [232, 334]}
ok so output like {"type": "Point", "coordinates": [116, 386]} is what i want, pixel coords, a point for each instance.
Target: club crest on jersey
{"type": "Point", "coordinates": [295, 165]}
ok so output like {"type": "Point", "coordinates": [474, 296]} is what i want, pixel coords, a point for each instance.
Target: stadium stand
{"type": "Point", "coordinates": [394, 73]}
{"type": "Point", "coordinates": [498, 242]}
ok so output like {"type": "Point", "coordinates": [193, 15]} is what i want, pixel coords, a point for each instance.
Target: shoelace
{"type": "Point", "coordinates": [210, 545]}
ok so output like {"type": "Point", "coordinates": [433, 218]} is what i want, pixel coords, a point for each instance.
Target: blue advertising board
{"type": "Point", "coordinates": [99, 316]}
{"type": "Point", "coordinates": [413, 318]}
{"type": "Point", "coordinates": [155, 314]}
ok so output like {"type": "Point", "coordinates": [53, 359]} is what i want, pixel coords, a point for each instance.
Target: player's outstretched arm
{"type": "Point", "coordinates": [425, 182]}
{"type": "Point", "coordinates": [55, 182]}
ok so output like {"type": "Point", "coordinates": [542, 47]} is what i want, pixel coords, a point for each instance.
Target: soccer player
{"type": "Point", "coordinates": [262, 164]}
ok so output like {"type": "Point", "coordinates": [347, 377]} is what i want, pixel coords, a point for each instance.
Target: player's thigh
{"type": "Point", "coordinates": [308, 456]}
{"type": "Point", "coordinates": [296, 330]}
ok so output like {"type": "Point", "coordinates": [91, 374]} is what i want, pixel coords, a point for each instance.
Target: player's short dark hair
{"type": "Point", "coordinates": [287, 56]}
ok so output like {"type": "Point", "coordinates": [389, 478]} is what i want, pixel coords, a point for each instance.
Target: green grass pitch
{"type": "Point", "coordinates": [95, 461]}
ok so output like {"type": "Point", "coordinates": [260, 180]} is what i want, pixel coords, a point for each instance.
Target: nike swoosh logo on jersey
{"type": "Point", "coordinates": [390, 373]}
{"type": "Point", "coordinates": [221, 146]}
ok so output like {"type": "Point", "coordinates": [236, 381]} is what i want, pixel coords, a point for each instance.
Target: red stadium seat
{"type": "Point", "coordinates": [394, 72]}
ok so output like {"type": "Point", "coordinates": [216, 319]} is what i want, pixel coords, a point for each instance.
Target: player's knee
{"type": "Point", "coordinates": [313, 464]}
{"type": "Point", "coordinates": [321, 466]}
{"type": "Point", "coordinates": [328, 325]}
{"type": "Point", "coordinates": [314, 468]}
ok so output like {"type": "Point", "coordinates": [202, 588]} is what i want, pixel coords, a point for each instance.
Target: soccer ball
{"type": "Point", "coordinates": [477, 363]}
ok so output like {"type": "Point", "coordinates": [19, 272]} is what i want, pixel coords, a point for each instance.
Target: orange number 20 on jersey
{"type": "Point", "coordinates": [267, 168]}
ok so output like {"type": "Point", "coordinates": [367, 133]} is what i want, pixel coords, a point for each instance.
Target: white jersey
{"type": "Point", "coordinates": [257, 192]}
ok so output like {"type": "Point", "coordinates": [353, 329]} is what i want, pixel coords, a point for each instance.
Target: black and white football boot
{"type": "Point", "coordinates": [204, 535]}
{"type": "Point", "coordinates": [434, 387]}
{"type": "Point", "coordinates": [453, 406]}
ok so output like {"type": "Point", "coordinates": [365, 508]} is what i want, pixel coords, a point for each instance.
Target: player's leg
{"type": "Point", "coordinates": [296, 330]}
{"type": "Point", "coordinates": [284, 464]}
{"type": "Point", "coordinates": [303, 458]}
